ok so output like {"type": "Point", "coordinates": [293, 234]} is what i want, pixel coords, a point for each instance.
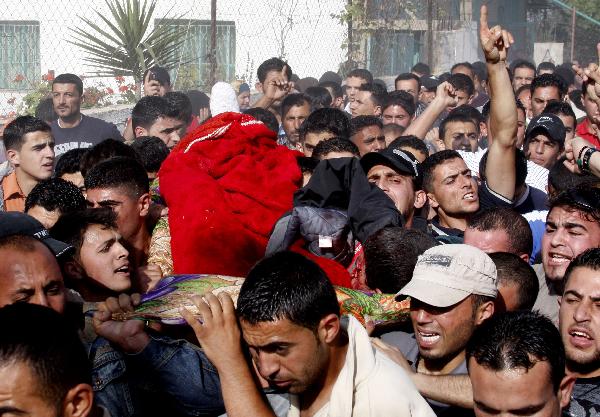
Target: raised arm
{"type": "Point", "coordinates": [500, 170]}
{"type": "Point", "coordinates": [220, 337]}
{"type": "Point", "coordinates": [444, 97]}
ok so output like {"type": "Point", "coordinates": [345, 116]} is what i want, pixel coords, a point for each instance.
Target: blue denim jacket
{"type": "Point", "coordinates": [169, 377]}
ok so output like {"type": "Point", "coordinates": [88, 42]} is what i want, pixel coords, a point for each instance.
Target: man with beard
{"type": "Point", "coordinates": [73, 129]}
{"type": "Point", "coordinates": [572, 226]}
{"type": "Point", "coordinates": [290, 319]}
{"type": "Point", "coordinates": [580, 331]}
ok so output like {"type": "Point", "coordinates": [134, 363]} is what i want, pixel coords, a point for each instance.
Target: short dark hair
{"type": "Point", "coordinates": [470, 112]}
{"type": "Point", "coordinates": [264, 116]}
{"type": "Point", "coordinates": [546, 65]}
{"type": "Point", "coordinates": [406, 77]}
{"type": "Point", "coordinates": [180, 106]}
{"type": "Point", "coordinates": [335, 87]}
{"type": "Point", "coordinates": [18, 128]}
{"type": "Point", "coordinates": [521, 89]}
{"type": "Point", "coordinates": [199, 100]}
{"type": "Point", "coordinates": [148, 110]}
{"type": "Point", "coordinates": [462, 82]}
{"type": "Point", "coordinates": [152, 152]}
{"type": "Point", "coordinates": [69, 79]}
{"type": "Point", "coordinates": [503, 218]}
{"type": "Point", "coordinates": [583, 199]}
{"type": "Point", "coordinates": [378, 93]}
{"type": "Point", "coordinates": [455, 118]}
{"type": "Point", "coordinates": [410, 141]}
{"type": "Point", "coordinates": [330, 120]}
{"type": "Point", "coordinates": [480, 70]}
{"type": "Point", "coordinates": [320, 97]}
{"type": "Point", "coordinates": [521, 63]}
{"type": "Point", "coordinates": [462, 64]}
{"type": "Point", "coordinates": [589, 258]}
{"type": "Point", "coordinates": [365, 74]}
{"type": "Point", "coordinates": [431, 162]}
{"type": "Point", "coordinates": [71, 227]}
{"type": "Point", "coordinates": [400, 98]}
{"type": "Point", "coordinates": [162, 75]}
{"type": "Point", "coordinates": [293, 100]}
{"type": "Point", "coordinates": [116, 172]}
{"type": "Point", "coordinates": [512, 270]}
{"type": "Point", "coordinates": [45, 110]}
{"type": "Point", "coordinates": [421, 68]}
{"type": "Point", "coordinates": [55, 194]}
{"type": "Point", "coordinates": [549, 80]}
{"type": "Point", "coordinates": [69, 162]}
{"type": "Point", "coordinates": [391, 255]}
{"type": "Point", "coordinates": [560, 108]}
{"type": "Point", "coordinates": [102, 151]}
{"type": "Point", "coordinates": [518, 340]}
{"type": "Point", "coordinates": [272, 64]}
{"type": "Point", "coordinates": [49, 345]}
{"type": "Point", "coordinates": [360, 122]}
{"type": "Point", "coordinates": [567, 75]}
{"type": "Point", "coordinates": [334, 144]}
{"type": "Point", "coordinates": [561, 179]}
{"type": "Point", "coordinates": [288, 286]}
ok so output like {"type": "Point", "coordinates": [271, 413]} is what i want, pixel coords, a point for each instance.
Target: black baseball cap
{"type": "Point", "coordinates": [430, 82]}
{"type": "Point", "coordinates": [17, 223]}
{"type": "Point", "coordinates": [549, 124]}
{"type": "Point", "coordinates": [400, 161]}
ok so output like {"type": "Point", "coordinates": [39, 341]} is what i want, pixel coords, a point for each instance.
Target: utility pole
{"type": "Point", "coordinates": [430, 33]}
{"type": "Point", "coordinates": [213, 42]}
{"type": "Point", "coordinates": [350, 37]}
{"type": "Point", "coordinates": [574, 14]}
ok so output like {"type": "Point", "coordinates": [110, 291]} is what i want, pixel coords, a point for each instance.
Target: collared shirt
{"type": "Point", "coordinates": [14, 199]}
{"type": "Point", "coordinates": [583, 130]}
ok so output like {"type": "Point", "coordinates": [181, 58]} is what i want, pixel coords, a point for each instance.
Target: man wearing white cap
{"type": "Point", "coordinates": [452, 292]}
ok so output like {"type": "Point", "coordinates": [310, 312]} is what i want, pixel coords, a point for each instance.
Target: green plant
{"type": "Point", "coordinates": [128, 47]}
{"type": "Point", "coordinates": [32, 99]}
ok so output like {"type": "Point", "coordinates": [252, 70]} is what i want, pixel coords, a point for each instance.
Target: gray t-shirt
{"type": "Point", "coordinates": [547, 299]}
{"type": "Point", "coordinates": [585, 399]}
{"type": "Point", "coordinates": [86, 134]}
{"type": "Point", "coordinates": [407, 343]}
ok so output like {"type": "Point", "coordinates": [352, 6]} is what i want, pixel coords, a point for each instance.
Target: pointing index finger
{"type": "Point", "coordinates": [483, 18]}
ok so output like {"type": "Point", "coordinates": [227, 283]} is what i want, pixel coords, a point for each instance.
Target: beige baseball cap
{"type": "Point", "coordinates": [447, 274]}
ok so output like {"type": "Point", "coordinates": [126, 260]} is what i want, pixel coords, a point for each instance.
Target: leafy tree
{"type": "Point", "coordinates": [128, 47]}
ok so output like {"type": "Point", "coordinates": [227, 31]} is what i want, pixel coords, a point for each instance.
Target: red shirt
{"type": "Point", "coordinates": [583, 130]}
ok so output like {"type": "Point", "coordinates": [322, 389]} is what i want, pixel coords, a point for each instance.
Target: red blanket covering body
{"type": "Point", "coordinates": [226, 184]}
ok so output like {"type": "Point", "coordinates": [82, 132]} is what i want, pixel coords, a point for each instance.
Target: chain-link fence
{"type": "Point", "coordinates": [35, 47]}
{"type": "Point", "coordinates": [386, 36]}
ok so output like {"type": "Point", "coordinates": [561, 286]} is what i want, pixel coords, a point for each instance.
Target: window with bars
{"type": "Point", "coordinates": [19, 54]}
{"type": "Point", "coordinates": [193, 68]}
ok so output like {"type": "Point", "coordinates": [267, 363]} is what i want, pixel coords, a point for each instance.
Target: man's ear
{"type": "Point", "coordinates": [378, 111]}
{"type": "Point", "coordinates": [565, 389]}
{"type": "Point", "coordinates": [13, 157]}
{"type": "Point", "coordinates": [259, 87]}
{"type": "Point", "coordinates": [144, 204]}
{"type": "Point", "coordinates": [140, 131]}
{"type": "Point", "coordinates": [433, 203]}
{"type": "Point", "coordinates": [484, 312]}
{"type": "Point", "coordinates": [73, 270]}
{"type": "Point", "coordinates": [420, 199]}
{"type": "Point", "coordinates": [79, 401]}
{"type": "Point", "coordinates": [329, 327]}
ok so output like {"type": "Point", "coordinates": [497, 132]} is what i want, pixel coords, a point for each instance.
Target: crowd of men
{"type": "Point", "coordinates": [475, 193]}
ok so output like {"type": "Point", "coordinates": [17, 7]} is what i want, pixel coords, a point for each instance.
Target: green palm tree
{"type": "Point", "coordinates": [127, 47]}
